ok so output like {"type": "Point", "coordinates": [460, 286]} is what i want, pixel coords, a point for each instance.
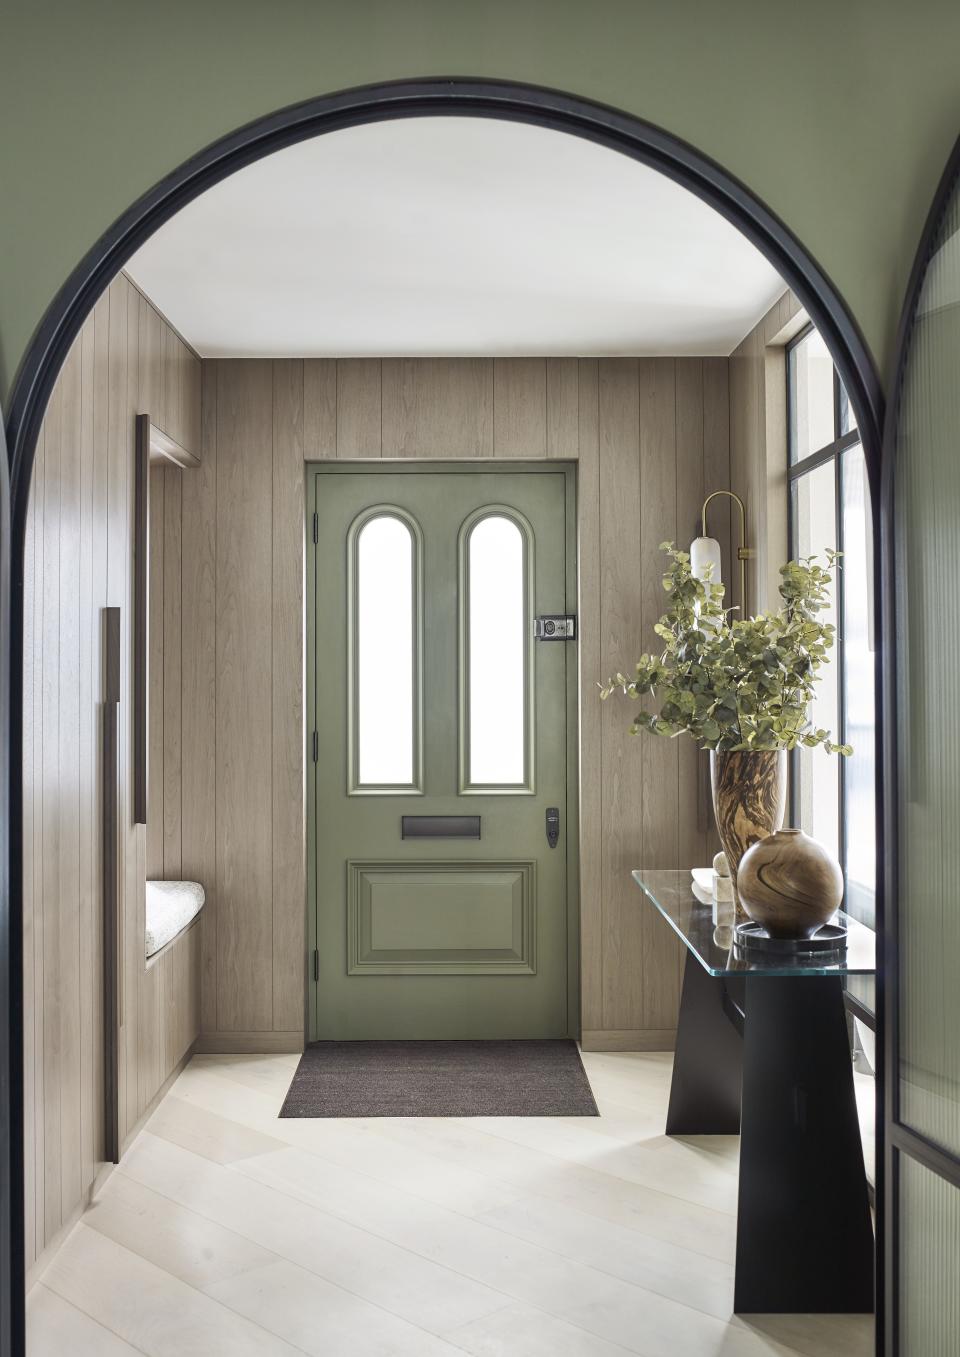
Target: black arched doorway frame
{"type": "Point", "coordinates": [430, 97]}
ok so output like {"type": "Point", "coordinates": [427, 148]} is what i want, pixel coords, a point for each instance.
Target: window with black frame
{"type": "Point", "coordinates": [833, 798]}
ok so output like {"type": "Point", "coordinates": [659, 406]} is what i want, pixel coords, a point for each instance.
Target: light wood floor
{"type": "Point", "coordinates": [228, 1232]}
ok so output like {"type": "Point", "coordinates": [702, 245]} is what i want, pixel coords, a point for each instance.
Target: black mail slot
{"type": "Point", "coordinates": [440, 826]}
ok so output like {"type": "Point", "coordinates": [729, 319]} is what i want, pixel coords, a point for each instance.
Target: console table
{"type": "Point", "coordinates": [762, 1050]}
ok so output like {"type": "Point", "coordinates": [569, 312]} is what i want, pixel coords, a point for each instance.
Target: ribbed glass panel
{"type": "Point", "coordinates": [929, 1262]}
{"type": "Point", "coordinates": [928, 700]}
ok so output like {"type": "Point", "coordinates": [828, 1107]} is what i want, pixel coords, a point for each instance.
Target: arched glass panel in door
{"type": "Point", "coordinates": [496, 627]}
{"type": "Point", "coordinates": [385, 653]}
{"type": "Point", "coordinates": [924, 1022]}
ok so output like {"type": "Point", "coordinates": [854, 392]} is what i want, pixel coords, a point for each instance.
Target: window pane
{"type": "Point", "coordinates": [818, 781]}
{"type": "Point", "coordinates": [384, 698]}
{"type": "Point", "coordinates": [859, 664]}
{"type": "Point", "coordinates": [497, 643]}
{"type": "Point", "coordinates": [848, 420]}
{"type": "Point", "coordinates": [811, 397]}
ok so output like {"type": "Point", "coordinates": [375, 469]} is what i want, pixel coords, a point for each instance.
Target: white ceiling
{"type": "Point", "coordinates": [453, 236]}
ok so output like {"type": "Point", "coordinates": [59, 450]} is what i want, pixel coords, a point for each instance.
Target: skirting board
{"type": "Point", "coordinates": [630, 1039]}
{"type": "Point", "coordinates": [249, 1043]}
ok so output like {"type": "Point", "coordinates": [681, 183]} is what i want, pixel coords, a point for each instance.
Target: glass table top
{"type": "Point", "coordinates": [671, 892]}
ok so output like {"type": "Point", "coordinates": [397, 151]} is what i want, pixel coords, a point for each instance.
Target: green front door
{"type": "Point", "coordinates": [438, 815]}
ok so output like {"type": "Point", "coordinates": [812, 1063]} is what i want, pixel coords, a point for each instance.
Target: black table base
{"type": "Point", "coordinates": [804, 1234]}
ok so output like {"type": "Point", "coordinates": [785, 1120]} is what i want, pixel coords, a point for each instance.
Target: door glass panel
{"type": "Point", "coordinates": [818, 787]}
{"type": "Point", "coordinates": [497, 631]}
{"type": "Point", "coordinates": [927, 534]}
{"type": "Point", "coordinates": [811, 406]}
{"type": "Point", "coordinates": [929, 1261]}
{"type": "Point", "coordinates": [386, 683]}
{"type": "Point", "coordinates": [859, 693]}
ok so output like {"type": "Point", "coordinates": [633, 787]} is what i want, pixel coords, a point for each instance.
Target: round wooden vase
{"type": "Point", "coordinates": [749, 800]}
{"type": "Point", "coordinates": [790, 884]}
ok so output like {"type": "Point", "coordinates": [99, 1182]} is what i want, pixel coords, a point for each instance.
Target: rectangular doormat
{"type": "Point", "coordinates": [440, 1079]}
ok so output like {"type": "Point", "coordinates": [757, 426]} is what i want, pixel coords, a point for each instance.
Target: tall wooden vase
{"type": "Point", "coordinates": [749, 801]}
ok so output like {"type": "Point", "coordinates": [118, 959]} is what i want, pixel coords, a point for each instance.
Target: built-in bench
{"type": "Point", "coordinates": [171, 906]}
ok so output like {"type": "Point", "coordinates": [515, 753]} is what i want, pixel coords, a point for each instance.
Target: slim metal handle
{"type": "Point", "coordinates": [553, 825]}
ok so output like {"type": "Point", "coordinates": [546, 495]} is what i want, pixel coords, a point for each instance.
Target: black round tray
{"type": "Point", "coordinates": [754, 937]}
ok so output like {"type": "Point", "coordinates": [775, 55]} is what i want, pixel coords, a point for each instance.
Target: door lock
{"type": "Point", "coordinates": [556, 627]}
{"type": "Point", "coordinates": [553, 825]}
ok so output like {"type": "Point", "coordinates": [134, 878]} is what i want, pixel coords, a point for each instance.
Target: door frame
{"type": "Point", "coordinates": [465, 466]}
{"type": "Point", "coordinates": [895, 1139]}
{"type": "Point", "coordinates": [510, 101]}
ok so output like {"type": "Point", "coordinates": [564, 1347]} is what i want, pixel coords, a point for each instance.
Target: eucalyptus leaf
{"type": "Point", "coordinates": [733, 682]}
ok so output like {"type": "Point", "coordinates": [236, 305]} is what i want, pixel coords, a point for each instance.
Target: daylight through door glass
{"type": "Point", "coordinates": [497, 644]}
{"type": "Point", "coordinates": [384, 686]}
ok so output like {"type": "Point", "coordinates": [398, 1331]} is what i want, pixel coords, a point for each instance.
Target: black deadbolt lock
{"type": "Point", "coordinates": [553, 825]}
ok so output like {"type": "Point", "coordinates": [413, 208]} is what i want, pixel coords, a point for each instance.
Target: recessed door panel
{"type": "Point", "coordinates": [453, 918]}
{"type": "Point", "coordinates": [436, 710]}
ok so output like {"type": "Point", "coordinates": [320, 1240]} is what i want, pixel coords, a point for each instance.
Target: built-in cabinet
{"type": "Point", "coordinates": [79, 561]}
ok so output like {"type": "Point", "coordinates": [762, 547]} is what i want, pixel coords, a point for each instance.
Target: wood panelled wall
{"type": "Point", "coordinates": [758, 443]}
{"type": "Point", "coordinates": [651, 438]}
{"type": "Point", "coordinates": [78, 561]}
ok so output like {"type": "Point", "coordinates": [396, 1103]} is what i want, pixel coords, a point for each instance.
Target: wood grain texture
{"type": "Point", "coordinates": [790, 884]}
{"type": "Point", "coordinates": [78, 561]}
{"type": "Point", "coordinates": [591, 673]}
{"type": "Point", "coordinates": [438, 407]}
{"type": "Point", "coordinates": [199, 690]}
{"type": "Point", "coordinates": [758, 446]}
{"type": "Point", "coordinates": [520, 408]}
{"type": "Point", "coordinates": [621, 640]}
{"type": "Point", "coordinates": [319, 409]}
{"type": "Point", "coordinates": [359, 418]}
{"type": "Point", "coordinates": [244, 720]}
{"type": "Point", "coordinates": [289, 796]}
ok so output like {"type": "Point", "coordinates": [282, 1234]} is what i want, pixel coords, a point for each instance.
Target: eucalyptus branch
{"type": "Point", "coordinates": [735, 682]}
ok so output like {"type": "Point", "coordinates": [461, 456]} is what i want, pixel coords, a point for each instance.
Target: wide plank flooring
{"type": "Point", "coordinates": [228, 1231]}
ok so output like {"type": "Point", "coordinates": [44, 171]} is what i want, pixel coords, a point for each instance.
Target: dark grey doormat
{"type": "Point", "coordinates": [440, 1079]}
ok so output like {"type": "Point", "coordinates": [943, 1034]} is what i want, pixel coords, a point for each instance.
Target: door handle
{"type": "Point", "coordinates": [553, 825]}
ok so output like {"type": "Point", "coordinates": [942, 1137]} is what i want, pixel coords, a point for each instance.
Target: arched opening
{"type": "Point", "coordinates": [559, 112]}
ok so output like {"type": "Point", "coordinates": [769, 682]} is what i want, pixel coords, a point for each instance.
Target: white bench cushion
{"type": "Point", "coordinates": [170, 907]}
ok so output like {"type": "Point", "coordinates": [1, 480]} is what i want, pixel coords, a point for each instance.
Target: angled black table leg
{"type": "Point", "coordinates": [804, 1234]}
{"type": "Point", "coordinates": [705, 1092]}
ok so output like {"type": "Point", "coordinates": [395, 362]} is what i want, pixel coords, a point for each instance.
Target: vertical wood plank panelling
{"type": "Point", "coordinates": [621, 640]}
{"type": "Point", "coordinates": [87, 957]}
{"type": "Point", "coordinates": [155, 676]}
{"type": "Point", "coordinates": [118, 596]}
{"type": "Point", "coordinates": [38, 493]}
{"type": "Point", "coordinates": [661, 802]}
{"type": "Point", "coordinates": [199, 678]}
{"type": "Point", "coordinates": [170, 598]}
{"type": "Point", "coordinates": [690, 492]}
{"type": "Point", "coordinates": [359, 432]}
{"type": "Point", "coordinates": [144, 394]}
{"type": "Point", "coordinates": [289, 808]}
{"type": "Point", "coordinates": [591, 761]}
{"type": "Point", "coordinates": [99, 391]}
{"type": "Point", "coordinates": [562, 407]}
{"type": "Point", "coordinates": [31, 1090]}
{"type": "Point", "coordinates": [69, 782]}
{"type": "Point", "coordinates": [520, 407]}
{"type": "Point", "coordinates": [437, 407]}
{"type": "Point", "coordinates": [319, 409]}
{"type": "Point", "coordinates": [52, 894]}
{"type": "Point", "coordinates": [244, 700]}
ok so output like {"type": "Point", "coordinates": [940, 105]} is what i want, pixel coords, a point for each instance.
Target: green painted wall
{"type": "Point", "coordinates": [839, 115]}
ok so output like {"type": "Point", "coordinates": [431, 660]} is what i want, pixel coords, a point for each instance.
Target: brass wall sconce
{"type": "Point", "coordinates": [705, 551]}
